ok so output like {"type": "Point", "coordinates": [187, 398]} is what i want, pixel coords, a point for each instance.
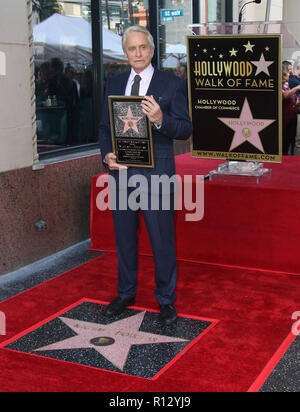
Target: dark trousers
{"type": "Point", "coordinates": [161, 229]}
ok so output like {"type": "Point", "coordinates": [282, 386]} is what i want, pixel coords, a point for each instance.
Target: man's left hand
{"type": "Point", "coordinates": [152, 110]}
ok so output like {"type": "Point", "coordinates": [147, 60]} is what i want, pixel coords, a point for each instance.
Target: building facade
{"type": "Point", "coordinates": [48, 147]}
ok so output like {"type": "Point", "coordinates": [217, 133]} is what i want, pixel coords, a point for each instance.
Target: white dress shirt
{"type": "Point", "coordinates": [146, 76]}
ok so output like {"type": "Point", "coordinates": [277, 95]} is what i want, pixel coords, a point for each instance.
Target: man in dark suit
{"type": "Point", "coordinates": [165, 104]}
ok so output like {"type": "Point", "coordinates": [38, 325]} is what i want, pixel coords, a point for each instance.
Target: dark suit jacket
{"type": "Point", "coordinates": [170, 93]}
{"type": "Point", "coordinates": [294, 82]}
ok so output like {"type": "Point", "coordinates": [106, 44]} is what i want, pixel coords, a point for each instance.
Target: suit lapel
{"type": "Point", "coordinates": [155, 86]}
{"type": "Point", "coordinates": [122, 84]}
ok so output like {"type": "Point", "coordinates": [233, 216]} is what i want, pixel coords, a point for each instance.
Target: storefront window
{"type": "Point", "coordinates": [120, 14]}
{"type": "Point", "coordinates": [117, 16]}
{"type": "Point", "coordinates": [175, 17]}
{"type": "Point", "coordinates": [212, 11]}
{"type": "Point", "coordinates": [64, 64]}
{"type": "Point", "coordinates": [64, 80]}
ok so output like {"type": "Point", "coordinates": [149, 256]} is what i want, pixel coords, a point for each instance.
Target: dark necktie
{"type": "Point", "coordinates": [135, 91]}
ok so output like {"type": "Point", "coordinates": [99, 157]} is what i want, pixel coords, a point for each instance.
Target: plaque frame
{"type": "Point", "coordinates": [134, 103]}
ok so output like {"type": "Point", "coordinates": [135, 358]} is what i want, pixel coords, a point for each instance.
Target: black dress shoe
{"type": "Point", "coordinates": [117, 306]}
{"type": "Point", "coordinates": [168, 314]}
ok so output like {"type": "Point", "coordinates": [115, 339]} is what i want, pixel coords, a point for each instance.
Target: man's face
{"type": "Point", "coordinates": [138, 51]}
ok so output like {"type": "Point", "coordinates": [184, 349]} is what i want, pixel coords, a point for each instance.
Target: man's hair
{"type": "Point", "coordinates": [139, 29]}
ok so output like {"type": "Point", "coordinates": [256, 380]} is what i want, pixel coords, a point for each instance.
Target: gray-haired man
{"type": "Point", "coordinates": [165, 104]}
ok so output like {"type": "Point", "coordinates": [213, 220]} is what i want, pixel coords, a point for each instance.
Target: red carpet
{"type": "Point", "coordinates": [254, 310]}
{"type": "Point", "coordinates": [248, 225]}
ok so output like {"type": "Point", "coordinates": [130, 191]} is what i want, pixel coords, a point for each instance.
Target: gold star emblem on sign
{"type": "Point", "coordinates": [249, 47]}
{"type": "Point", "coordinates": [233, 52]}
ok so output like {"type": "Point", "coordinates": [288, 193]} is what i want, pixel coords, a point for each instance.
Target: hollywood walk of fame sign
{"type": "Point", "coordinates": [235, 97]}
{"type": "Point", "coordinates": [131, 132]}
{"type": "Point", "coordinates": [133, 343]}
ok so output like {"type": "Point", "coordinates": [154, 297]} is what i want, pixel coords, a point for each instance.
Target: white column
{"type": "Point", "coordinates": [276, 12]}
{"type": "Point", "coordinates": [291, 17]}
{"type": "Point", "coordinates": [17, 125]}
{"type": "Point", "coordinates": [258, 12]}
{"type": "Point", "coordinates": [255, 12]}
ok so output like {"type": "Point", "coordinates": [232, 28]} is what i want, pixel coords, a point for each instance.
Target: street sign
{"type": "Point", "coordinates": [170, 15]}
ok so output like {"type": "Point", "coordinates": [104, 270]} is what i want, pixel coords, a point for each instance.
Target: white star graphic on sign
{"type": "Point", "coordinates": [249, 47]}
{"type": "Point", "coordinates": [262, 66]}
{"type": "Point", "coordinates": [113, 341]}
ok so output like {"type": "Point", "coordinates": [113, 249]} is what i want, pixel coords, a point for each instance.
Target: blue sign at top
{"type": "Point", "coordinates": [166, 14]}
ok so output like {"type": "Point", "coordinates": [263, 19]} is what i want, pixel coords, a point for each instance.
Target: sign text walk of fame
{"type": "Point", "coordinates": [235, 97]}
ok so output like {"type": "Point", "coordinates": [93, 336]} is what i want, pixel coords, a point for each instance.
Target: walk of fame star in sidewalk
{"type": "Point", "coordinates": [133, 343]}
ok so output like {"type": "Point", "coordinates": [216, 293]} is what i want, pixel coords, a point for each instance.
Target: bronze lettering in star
{"type": "Point", "coordinates": [131, 131]}
{"type": "Point", "coordinates": [134, 343]}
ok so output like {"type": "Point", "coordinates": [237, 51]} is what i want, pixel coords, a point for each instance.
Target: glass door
{"type": "Point", "coordinates": [175, 17]}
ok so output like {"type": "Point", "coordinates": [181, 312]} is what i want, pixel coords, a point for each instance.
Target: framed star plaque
{"type": "Point", "coordinates": [131, 130]}
{"type": "Point", "coordinates": [235, 86]}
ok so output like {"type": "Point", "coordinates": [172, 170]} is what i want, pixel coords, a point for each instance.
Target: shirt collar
{"type": "Point", "coordinates": [145, 75]}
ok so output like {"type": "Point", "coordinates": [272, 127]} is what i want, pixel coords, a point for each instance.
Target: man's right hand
{"type": "Point", "coordinates": [111, 160]}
